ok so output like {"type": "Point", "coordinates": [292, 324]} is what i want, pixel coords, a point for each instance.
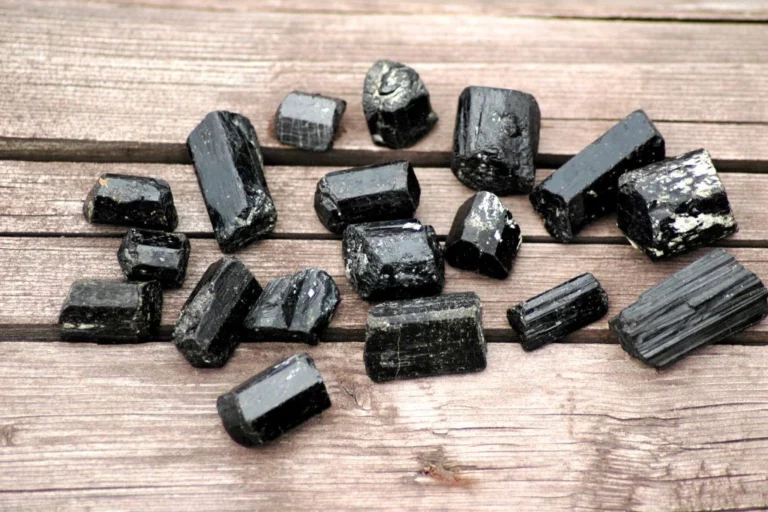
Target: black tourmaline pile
{"type": "Point", "coordinates": [712, 298]}
{"type": "Point", "coordinates": [131, 201]}
{"type": "Point", "coordinates": [554, 314]}
{"type": "Point", "coordinates": [365, 194]}
{"type": "Point", "coordinates": [585, 187]}
{"type": "Point", "coordinates": [230, 171]}
{"type": "Point", "coordinates": [674, 206]}
{"type": "Point", "coordinates": [154, 256]}
{"type": "Point", "coordinates": [273, 402]}
{"type": "Point", "coordinates": [308, 121]}
{"type": "Point", "coordinates": [496, 139]}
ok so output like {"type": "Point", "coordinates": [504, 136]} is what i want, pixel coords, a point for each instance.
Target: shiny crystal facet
{"type": "Point", "coordinates": [308, 121]}
{"type": "Point", "coordinates": [131, 201]}
{"type": "Point", "coordinates": [146, 255]}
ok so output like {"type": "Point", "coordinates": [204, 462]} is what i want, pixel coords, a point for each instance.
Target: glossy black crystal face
{"type": "Point", "coordinates": [111, 312]}
{"type": "Point", "coordinates": [230, 170]}
{"type": "Point", "coordinates": [366, 194]}
{"type": "Point", "coordinates": [308, 121]}
{"type": "Point", "coordinates": [425, 337]}
{"type": "Point", "coordinates": [484, 237]}
{"type": "Point", "coordinates": [496, 139]}
{"type": "Point", "coordinates": [396, 105]}
{"type": "Point", "coordinates": [586, 187]}
{"type": "Point", "coordinates": [210, 323]}
{"type": "Point", "coordinates": [146, 255]}
{"type": "Point", "coordinates": [712, 298]}
{"type": "Point", "coordinates": [273, 402]}
{"type": "Point", "coordinates": [131, 201]}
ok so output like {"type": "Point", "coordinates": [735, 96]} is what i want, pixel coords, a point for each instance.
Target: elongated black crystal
{"type": "Point", "coordinates": [131, 201]}
{"type": "Point", "coordinates": [712, 298]}
{"type": "Point", "coordinates": [308, 121]}
{"type": "Point", "coordinates": [496, 139]}
{"type": "Point", "coordinates": [556, 313]}
{"type": "Point", "coordinates": [273, 402]}
{"type": "Point", "coordinates": [230, 171]}
{"type": "Point", "coordinates": [425, 337]}
{"type": "Point", "coordinates": [585, 188]}
{"type": "Point", "coordinates": [146, 255]}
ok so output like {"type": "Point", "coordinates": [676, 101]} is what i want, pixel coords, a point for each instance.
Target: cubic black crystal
{"type": "Point", "coordinates": [131, 201]}
{"type": "Point", "coordinates": [308, 121]}
{"type": "Point", "coordinates": [146, 255]}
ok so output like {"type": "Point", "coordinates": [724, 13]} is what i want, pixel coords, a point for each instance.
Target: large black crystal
{"type": "Point", "coordinates": [712, 298]}
{"type": "Point", "coordinates": [308, 121]}
{"type": "Point", "coordinates": [585, 188]}
{"type": "Point", "coordinates": [496, 139]}
{"type": "Point", "coordinates": [131, 201]}
{"type": "Point", "coordinates": [273, 402]}
{"type": "Point", "coordinates": [230, 171]}
{"type": "Point", "coordinates": [146, 255]}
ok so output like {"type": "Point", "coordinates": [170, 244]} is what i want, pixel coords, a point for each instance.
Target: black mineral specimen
{"type": "Point", "coordinates": [131, 201]}
{"type": "Point", "coordinates": [146, 255]}
{"type": "Point", "coordinates": [674, 206]}
{"type": "Point", "coordinates": [393, 260]}
{"type": "Point", "coordinates": [585, 188]}
{"type": "Point", "coordinates": [111, 312]}
{"type": "Point", "coordinates": [366, 194]}
{"type": "Point", "coordinates": [210, 321]}
{"type": "Point", "coordinates": [556, 313]}
{"type": "Point", "coordinates": [230, 171]}
{"type": "Point", "coordinates": [712, 298]}
{"type": "Point", "coordinates": [496, 139]}
{"type": "Point", "coordinates": [308, 121]}
{"type": "Point", "coordinates": [425, 337]}
{"type": "Point", "coordinates": [278, 399]}
{"type": "Point", "coordinates": [483, 237]}
{"type": "Point", "coordinates": [396, 105]}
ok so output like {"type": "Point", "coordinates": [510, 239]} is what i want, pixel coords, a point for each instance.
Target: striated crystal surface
{"type": "Point", "coordinates": [146, 255]}
{"type": "Point", "coordinates": [131, 201]}
{"type": "Point", "coordinates": [308, 121]}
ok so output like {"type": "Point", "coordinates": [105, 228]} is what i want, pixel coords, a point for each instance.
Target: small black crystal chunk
{"type": "Point", "coordinates": [674, 206]}
{"type": "Point", "coordinates": [586, 187]}
{"type": "Point", "coordinates": [484, 237]}
{"type": "Point", "coordinates": [308, 121]}
{"type": "Point", "coordinates": [230, 171]}
{"type": "Point", "coordinates": [131, 201]}
{"type": "Point", "coordinates": [712, 298]}
{"type": "Point", "coordinates": [210, 322]}
{"type": "Point", "coordinates": [556, 313]}
{"type": "Point", "coordinates": [111, 312]}
{"type": "Point", "coordinates": [365, 194]}
{"type": "Point", "coordinates": [396, 105]}
{"type": "Point", "coordinates": [273, 402]}
{"type": "Point", "coordinates": [393, 260]}
{"type": "Point", "coordinates": [496, 139]}
{"type": "Point", "coordinates": [425, 337]}
{"type": "Point", "coordinates": [146, 255]}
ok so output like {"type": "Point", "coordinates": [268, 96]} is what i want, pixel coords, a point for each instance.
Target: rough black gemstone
{"type": "Point", "coordinates": [308, 121]}
{"type": "Point", "coordinates": [396, 105]}
{"type": "Point", "coordinates": [294, 308]}
{"type": "Point", "coordinates": [131, 201]}
{"type": "Point", "coordinates": [146, 255]}
{"type": "Point", "coordinates": [210, 321]}
{"type": "Point", "coordinates": [674, 206]}
{"type": "Point", "coordinates": [585, 188]}
{"type": "Point", "coordinates": [393, 260]}
{"type": "Point", "coordinates": [558, 312]}
{"type": "Point", "coordinates": [496, 139]}
{"type": "Point", "coordinates": [230, 171]}
{"type": "Point", "coordinates": [366, 194]}
{"type": "Point", "coordinates": [425, 337]}
{"type": "Point", "coordinates": [483, 237]}
{"type": "Point", "coordinates": [273, 402]}
{"type": "Point", "coordinates": [110, 311]}
{"type": "Point", "coordinates": [712, 298]}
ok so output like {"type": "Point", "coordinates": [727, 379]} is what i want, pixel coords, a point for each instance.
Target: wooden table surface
{"type": "Point", "coordinates": [116, 85]}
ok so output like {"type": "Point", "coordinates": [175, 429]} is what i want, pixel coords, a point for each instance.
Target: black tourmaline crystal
{"type": "Point", "coordinates": [674, 206]}
{"type": "Point", "coordinates": [131, 201]}
{"type": "Point", "coordinates": [294, 308]}
{"type": "Point", "coordinates": [230, 171]}
{"type": "Point", "coordinates": [425, 337]}
{"type": "Point", "coordinates": [396, 105]}
{"type": "Point", "coordinates": [496, 139]}
{"type": "Point", "coordinates": [308, 121]}
{"type": "Point", "coordinates": [211, 320]}
{"type": "Point", "coordinates": [111, 312]}
{"type": "Point", "coordinates": [483, 237]}
{"type": "Point", "coordinates": [146, 255]}
{"type": "Point", "coordinates": [556, 313]}
{"type": "Point", "coordinates": [273, 402]}
{"type": "Point", "coordinates": [712, 298]}
{"type": "Point", "coordinates": [393, 260]}
{"type": "Point", "coordinates": [585, 188]}
{"type": "Point", "coordinates": [366, 194]}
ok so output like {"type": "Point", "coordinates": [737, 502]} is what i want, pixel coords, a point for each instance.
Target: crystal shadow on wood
{"type": "Point", "coordinates": [146, 255]}
{"type": "Point", "coordinates": [308, 121]}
